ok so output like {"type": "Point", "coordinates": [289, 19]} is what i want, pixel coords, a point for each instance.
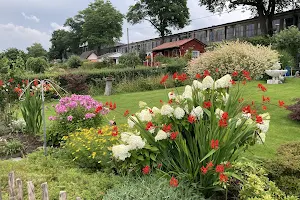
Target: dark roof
{"type": "Point", "coordinates": [179, 43]}
{"type": "Point", "coordinates": [86, 54]}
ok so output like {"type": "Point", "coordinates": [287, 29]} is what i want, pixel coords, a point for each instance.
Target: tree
{"type": "Point", "coordinates": [36, 50]}
{"type": "Point", "coordinates": [13, 53]}
{"type": "Point", "coordinates": [264, 9]}
{"type": "Point", "coordinates": [289, 40]}
{"type": "Point", "coordinates": [130, 60]}
{"type": "Point", "coordinates": [60, 44]}
{"type": "Point", "coordinates": [37, 65]}
{"type": "Point", "coordinates": [102, 24]}
{"type": "Point", "coordinates": [162, 14]}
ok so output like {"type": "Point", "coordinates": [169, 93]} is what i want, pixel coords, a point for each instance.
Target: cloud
{"type": "Point", "coordinates": [12, 35]}
{"type": "Point", "coordinates": [56, 26]}
{"type": "Point", "coordinates": [31, 17]}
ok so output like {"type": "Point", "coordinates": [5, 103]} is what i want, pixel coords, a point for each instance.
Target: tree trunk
{"type": "Point", "coordinates": [162, 34]}
{"type": "Point", "coordinates": [270, 25]}
{"type": "Point", "coordinates": [262, 20]}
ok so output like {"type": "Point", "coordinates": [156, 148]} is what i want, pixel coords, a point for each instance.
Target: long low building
{"type": "Point", "coordinates": [229, 31]}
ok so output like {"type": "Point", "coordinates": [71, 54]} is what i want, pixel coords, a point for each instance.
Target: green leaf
{"type": "Point", "coordinates": [153, 157]}
{"type": "Point", "coordinates": [207, 155]}
{"type": "Point", "coordinates": [140, 157]}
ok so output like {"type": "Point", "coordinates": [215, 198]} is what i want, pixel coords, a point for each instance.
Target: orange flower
{"type": "Point", "coordinates": [223, 178]}
{"type": "Point", "coordinates": [214, 144]}
{"type": "Point", "coordinates": [126, 113]}
{"type": "Point", "coordinates": [198, 76]}
{"type": "Point", "coordinates": [173, 182]}
{"type": "Point", "coordinates": [281, 103]}
{"type": "Point", "coordinates": [164, 79]}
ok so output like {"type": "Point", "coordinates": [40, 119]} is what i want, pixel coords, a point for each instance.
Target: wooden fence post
{"type": "Point", "coordinates": [20, 189]}
{"type": "Point", "coordinates": [30, 187]}
{"type": "Point", "coordinates": [11, 184]}
{"type": "Point", "coordinates": [62, 195]}
{"type": "Point", "coordinates": [45, 195]}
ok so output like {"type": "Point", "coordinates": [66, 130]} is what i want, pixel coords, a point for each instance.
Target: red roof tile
{"type": "Point", "coordinates": [169, 45]}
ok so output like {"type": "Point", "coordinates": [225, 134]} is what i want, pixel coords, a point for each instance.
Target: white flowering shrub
{"type": "Point", "coordinates": [228, 57]}
{"type": "Point", "coordinates": [197, 134]}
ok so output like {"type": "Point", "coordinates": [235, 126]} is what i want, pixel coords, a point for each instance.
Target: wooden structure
{"type": "Point", "coordinates": [16, 190]}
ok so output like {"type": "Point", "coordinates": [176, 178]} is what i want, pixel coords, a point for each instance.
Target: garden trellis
{"type": "Point", "coordinates": [39, 84]}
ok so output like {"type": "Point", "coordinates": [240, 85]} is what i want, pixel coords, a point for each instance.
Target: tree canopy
{"type": "Point", "coordinates": [36, 50]}
{"type": "Point", "coordinates": [162, 14]}
{"type": "Point", "coordinates": [264, 9]}
{"type": "Point", "coordinates": [60, 44]}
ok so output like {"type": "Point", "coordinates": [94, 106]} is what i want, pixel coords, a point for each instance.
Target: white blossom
{"type": "Point", "coordinates": [264, 127]}
{"type": "Point", "coordinates": [197, 112]}
{"type": "Point", "coordinates": [197, 85]}
{"type": "Point", "coordinates": [135, 142]}
{"type": "Point", "coordinates": [131, 121]}
{"type": "Point", "coordinates": [155, 110]}
{"type": "Point", "coordinates": [261, 138]}
{"type": "Point", "coordinates": [121, 151]}
{"type": "Point", "coordinates": [219, 113]}
{"type": "Point", "coordinates": [179, 113]}
{"type": "Point", "coordinates": [207, 83]}
{"type": "Point", "coordinates": [167, 110]}
{"type": "Point", "coordinates": [142, 104]}
{"type": "Point", "coordinates": [188, 92]}
{"type": "Point", "coordinates": [125, 136]}
{"type": "Point", "coordinates": [171, 95]}
{"type": "Point", "coordinates": [145, 115]}
{"type": "Point", "coordinates": [225, 98]}
{"type": "Point", "coordinates": [161, 135]}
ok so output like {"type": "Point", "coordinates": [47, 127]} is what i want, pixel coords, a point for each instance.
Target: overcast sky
{"type": "Point", "coordinates": [23, 22]}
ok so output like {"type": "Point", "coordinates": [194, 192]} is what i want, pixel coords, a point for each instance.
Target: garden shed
{"type": "Point", "coordinates": [179, 48]}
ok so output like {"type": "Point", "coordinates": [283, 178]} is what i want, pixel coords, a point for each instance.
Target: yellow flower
{"type": "Point", "coordinates": [94, 154]}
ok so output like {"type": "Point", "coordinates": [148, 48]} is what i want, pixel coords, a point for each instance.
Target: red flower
{"type": "Point", "coordinates": [170, 101]}
{"type": "Point", "coordinates": [161, 101]}
{"type": "Point", "coordinates": [11, 80]}
{"type": "Point", "coordinates": [225, 116]}
{"type": "Point", "coordinates": [264, 107]}
{"type": "Point", "coordinates": [266, 99]}
{"type": "Point", "coordinates": [175, 75]}
{"type": "Point", "coordinates": [247, 109]}
{"type": "Point", "coordinates": [235, 73]}
{"type": "Point", "coordinates": [112, 106]}
{"type": "Point", "coordinates": [98, 109]}
{"type": "Point", "coordinates": [246, 73]}
{"type": "Point", "coordinates": [182, 77]}
{"type": "Point", "coordinates": [209, 165]}
{"type": "Point", "coordinates": [18, 90]}
{"type": "Point", "coordinates": [100, 132]}
{"type": "Point", "coordinates": [191, 119]}
{"type": "Point", "coordinates": [222, 123]}
{"type": "Point", "coordinates": [146, 170]}
{"type": "Point", "coordinates": [115, 131]}
{"type": "Point", "coordinates": [35, 82]}
{"type": "Point", "coordinates": [173, 135]}
{"type": "Point", "coordinates": [159, 165]}
{"type": "Point", "coordinates": [173, 182]}
{"type": "Point", "coordinates": [228, 164]}
{"type": "Point", "coordinates": [198, 76]}
{"type": "Point", "coordinates": [206, 73]}
{"type": "Point", "coordinates": [167, 128]}
{"type": "Point", "coordinates": [220, 168]}
{"type": "Point", "coordinates": [217, 70]}
{"type": "Point", "coordinates": [263, 88]}
{"type": "Point", "coordinates": [259, 119]}
{"type": "Point", "coordinates": [232, 82]}
{"type": "Point", "coordinates": [214, 144]}
{"type": "Point", "coordinates": [126, 113]}
{"type": "Point", "coordinates": [204, 170]}
{"type": "Point", "coordinates": [244, 82]}
{"type": "Point", "coordinates": [164, 79]}
{"type": "Point", "coordinates": [241, 100]}
{"type": "Point", "coordinates": [223, 178]}
{"type": "Point", "coordinates": [207, 104]}
{"type": "Point", "coordinates": [1, 83]}
{"type": "Point", "coordinates": [149, 126]}
{"type": "Point", "coordinates": [150, 111]}
{"type": "Point", "coordinates": [281, 103]}
{"type": "Point", "coordinates": [253, 112]}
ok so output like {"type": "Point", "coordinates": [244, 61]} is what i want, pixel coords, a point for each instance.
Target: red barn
{"type": "Point", "coordinates": [179, 48]}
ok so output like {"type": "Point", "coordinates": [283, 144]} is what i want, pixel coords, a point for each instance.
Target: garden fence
{"type": "Point", "coordinates": [16, 190]}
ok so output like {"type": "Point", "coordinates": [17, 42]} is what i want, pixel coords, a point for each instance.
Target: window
{"type": "Point", "coordinates": [239, 31]}
{"type": "Point", "coordinates": [211, 36]}
{"type": "Point", "coordinates": [229, 32]}
{"type": "Point", "coordinates": [276, 25]}
{"type": "Point", "coordinates": [195, 54]}
{"type": "Point", "coordinates": [250, 30]}
{"type": "Point", "coordinates": [219, 34]}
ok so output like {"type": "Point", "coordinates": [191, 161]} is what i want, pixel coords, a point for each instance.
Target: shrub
{"type": "Point", "coordinates": [151, 188]}
{"type": "Point", "coordinates": [75, 84]}
{"type": "Point", "coordinates": [255, 183]}
{"type": "Point", "coordinates": [72, 113]}
{"type": "Point", "coordinates": [95, 65]}
{"type": "Point", "coordinates": [260, 40]}
{"type": "Point", "coordinates": [130, 60]}
{"type": "Point", "coordinates": [10, 147]}
{"type": "Point", "coordinates": [74, 62]}
{"type": "Point", "coordinates": [286, 59]}
{"type": "Point", "coordinates": [90, 148]}
{"type": "Point", "coordinates": [37, 65]}
{"type": "Point", "coordinates": [284, 170]}
{"type": "Point", "coordinates": [31, 108]}
{"type": "Point", "coordinates": [194, 134]}
{"type": "Point", "coordinates": [228, 57]}
{"type": "Point", "coordinates": [295, 111]}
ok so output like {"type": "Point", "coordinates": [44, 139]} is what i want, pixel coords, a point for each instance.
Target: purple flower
{"type": "Point", "coordinates": [70, 118]}
{"type": "Point", "coordinates": [89, 115]}
{"type": "Point", "coordinates": [52, 118]}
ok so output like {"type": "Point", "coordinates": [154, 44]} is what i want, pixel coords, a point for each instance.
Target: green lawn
{"type": "Point", "coordinates": [281, 130]}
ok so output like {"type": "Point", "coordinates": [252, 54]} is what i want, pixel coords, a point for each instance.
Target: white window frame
{"type": "Point", "coordinates": [195, 52]}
